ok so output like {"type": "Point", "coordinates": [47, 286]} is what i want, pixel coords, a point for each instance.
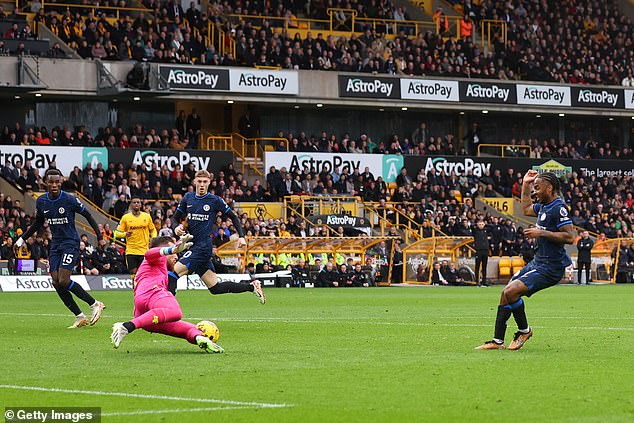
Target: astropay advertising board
{"type": "Point", "coordinates": [386, 165]}
{"type": "Point", "coordinates": [63, 158]}
{"type": "Point", "coordinates": [264, 81]}
{"type": "Point", "coordinates": [212, 161]}
{"type": "Point", "coordinates": [241, 80]}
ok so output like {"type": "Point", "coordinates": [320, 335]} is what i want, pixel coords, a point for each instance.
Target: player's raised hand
{"type": "Point", "coordinates": [530, 176]}
{"type": "Point", "coordinates": [533, 232]}
{"type": "Point", "coordinates": [183, 244]}
{"type": "Point", "coordinates": [242, 242]}
{"type": "Point", "coordinates": [179, 230]}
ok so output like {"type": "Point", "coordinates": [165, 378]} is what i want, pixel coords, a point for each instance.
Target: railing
{"type": "Point", "coordinates": [351, 24]}
{"type": "Point", "coordinates": [279, 22]}
{"type": "Point", "coordinates": [503, 148]}
{"type": "Point", "coordinates": [495, 28]}
{"type": "Point", "coordinates": [291, 208]}
{"type": "Point", "coordinates": [249, 150]}
{"type": "Point", "coordinates": [489, 29]}
{"type": "Point", "coordinates": [13, 2]}
{"type": "Point", "coordinates": [92, 8]}
{"type": "Point", "coordinates": [96, 207]}
{"type": "Point", "coordinates": [218, 38]}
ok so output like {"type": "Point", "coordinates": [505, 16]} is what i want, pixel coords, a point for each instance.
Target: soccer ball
{"type": "Point", "coordinates": [209, 329]}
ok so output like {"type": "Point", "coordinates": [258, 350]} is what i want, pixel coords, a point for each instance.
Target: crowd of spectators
{"type": "Point", "coordinates": [431, 202]}
{"type": "Point", "coordinates": [183, 135]}
{"type": "Point", "coordinates": [557, 41]}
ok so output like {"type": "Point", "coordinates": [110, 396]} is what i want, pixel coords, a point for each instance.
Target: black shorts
{"type": "Point", "coordinates": [133, 261]}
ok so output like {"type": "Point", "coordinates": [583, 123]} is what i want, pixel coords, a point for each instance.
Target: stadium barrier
{"type": "Point", "coordinates": [123, 282]}
{"type": "Point", "coordinates": [461, 165]}
{"type": "Point", "coordinates": [66, 158]}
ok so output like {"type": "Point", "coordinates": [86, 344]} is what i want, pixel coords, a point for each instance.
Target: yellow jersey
{"type": "Point", "coordinates": [142, 229]}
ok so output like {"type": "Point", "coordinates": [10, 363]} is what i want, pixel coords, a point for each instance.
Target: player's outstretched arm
{"type": "Point", "coordinates": [177, 218]}
{"type": "Point", "coordinates": [238, 225]}
{"type": "Point", "coordinates": [39, 222]}
{"type": "Point", "coordinates": [527, 186]}
{"type": "Point", "coordinates": [93, 224]}
{"type": "Point", "coordinates": [565, 234]}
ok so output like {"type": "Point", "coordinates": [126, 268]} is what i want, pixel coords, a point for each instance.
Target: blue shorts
{"type": "Point", "coordinates": [539, 276]}
{"type": "Point", "coordinates": [197, 262]}
{"type": "Point", "coordinates": [65, 258]}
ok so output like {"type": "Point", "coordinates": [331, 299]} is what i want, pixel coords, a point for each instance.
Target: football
{"type": "Point", "coordinates": [209, 329]}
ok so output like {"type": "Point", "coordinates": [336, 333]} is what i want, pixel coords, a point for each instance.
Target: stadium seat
{"type": "Point", "coordinates": [504, 267]}
{"type": "Point", "coordinates": [518, 263]}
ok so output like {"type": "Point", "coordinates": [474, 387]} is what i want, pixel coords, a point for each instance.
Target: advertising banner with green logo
{"type": "Point", "coordinates": [63, 158]}
{"type": "Point", "coordinates": [94, 156]}
{"type": "Point", "coordinates": [212, 161]}
{"type": "Point", "coordinates": [387, 166]}
{"type": "Point", "coordinates": [479, 166]}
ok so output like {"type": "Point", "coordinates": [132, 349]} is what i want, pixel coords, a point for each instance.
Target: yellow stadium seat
{"type": "Point", "coordinates": [504, 267]}
{"type": "Point", "coordinates": [268, 148]}
{"type": "Point", "coordinates": [457, 195]}
{"type": "Point", "coordinates": [518, 263]}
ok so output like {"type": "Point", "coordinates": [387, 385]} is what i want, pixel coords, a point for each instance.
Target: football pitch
{"type": "Point", "coordinates": [310, 355]}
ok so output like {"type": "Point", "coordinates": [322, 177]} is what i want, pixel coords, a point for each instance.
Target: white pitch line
{"type": "Point", "coordinates": [314, 319]}
{"type": "Point", "coordinates": [372, 322]}
{"type": "Point", "coordinates": [145, 396]}
{"type": "Point", "coordinates": [173, 410]}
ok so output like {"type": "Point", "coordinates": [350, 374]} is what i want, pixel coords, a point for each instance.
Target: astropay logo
{"type": "Point", "coordinates": [543, 95]}
{"type": "Point", "coordinates": [264, 81]}
{"type": "Point", "coordinates": [494, 92]}
{"type": "Point", "coordinates": [94, 156]}
{"type": "Point", "coordinates": [392, 165]}
{"type": "Point", "coordinates": [200, 77]}
{"type": "Point", "coordinates": [600, 98]}
{"type": "Point", "coordinates": [441, 164]}
{"type": "Point", "coordinates": [324, 163]}
{"type": "Point", "coordinates": [182, 158]}
{"type": "Point", "coordinates": [376, 86]}
{"type": "Point", "coordinates": [270, 80]}
{"type": "Point", "coordinates": [114, 282]}
{"type": "Point", "coordinates": [429, 90]}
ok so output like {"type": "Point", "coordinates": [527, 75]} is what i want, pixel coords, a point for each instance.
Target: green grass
{"type": "Point", "coordinates": [354, 355]}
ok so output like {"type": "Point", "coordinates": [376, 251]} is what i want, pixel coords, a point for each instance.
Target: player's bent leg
{"type": "Point", "coordinates": [162, 310]}
{"type": "Point", "coordinates": [210, 279]}
{"type": "Point", "coordinates": [188, 331]}
{"type": "Point", "coordinates": [513, 293]}
{"type": "Point", "coordinates": [68, 300]}
{"type": "Point", "coordinates": [96, 307]}
{"type": "Point", "coordinates": [509, 300]}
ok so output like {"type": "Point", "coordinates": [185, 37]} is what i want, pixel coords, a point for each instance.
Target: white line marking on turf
{"type": "Point", "coordinates": [173, 410]}
{"type": "Point", "coordinates": [372, 322]}
{"type": "Point", "coordinates": [145, 396]}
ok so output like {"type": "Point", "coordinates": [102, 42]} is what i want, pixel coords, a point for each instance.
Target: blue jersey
{"type": "Point", "coordinates": [201, 215]}
{"type": "Point", "coordinates": [60, 215]}
{"type": "Point", "coordinates": [551, 217]}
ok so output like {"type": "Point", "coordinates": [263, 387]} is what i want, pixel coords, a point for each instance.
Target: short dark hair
{"type": "Point", "coordinates": [553, 180]}
{"type": "Point", "coordinates": [159, 241]}
{"type": "Point", "coordinates": [52, 172]}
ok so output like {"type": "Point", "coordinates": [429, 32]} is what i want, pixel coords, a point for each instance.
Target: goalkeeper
{"type": "Point", "coordinates": [155, 308]}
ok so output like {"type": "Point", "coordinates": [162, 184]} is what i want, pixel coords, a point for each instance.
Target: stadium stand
{"type": "Point", "coordinates": [601, 205]}
{"type": "Point", "coordinates": [566, 42]}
